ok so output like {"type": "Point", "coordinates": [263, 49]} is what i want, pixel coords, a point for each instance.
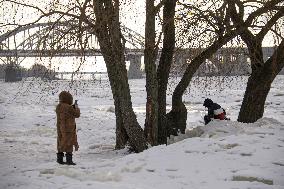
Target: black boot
{"type": "Point", "coordinates": [69, 159]}
{"type": "Point", "coordinates": [60, 156]}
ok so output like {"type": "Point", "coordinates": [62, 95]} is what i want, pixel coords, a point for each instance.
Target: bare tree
{"type": "Point", "coordinates": [263, 71]}
{"type": "Point", "coordinates": [165, 63]}
{"type": "Point", "coordinates": [100, 17]}
{"type": "Point", "coordinates": [150, 54]}
{"type": "Point", "coordinates": [221, 23]}
{"type": "Point", "coordinates": [157, 76]}
{"type": "Point", "coordinates": [111, 43]}
{"type": "Point", "coordinates": [215, 19]}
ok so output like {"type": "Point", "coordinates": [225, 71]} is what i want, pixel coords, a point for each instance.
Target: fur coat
{"type": "Point", "coordinates": [66, 126]}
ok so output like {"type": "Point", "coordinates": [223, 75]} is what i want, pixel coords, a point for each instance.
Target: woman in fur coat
{"type": "Point", "coordinates": [66, 127]}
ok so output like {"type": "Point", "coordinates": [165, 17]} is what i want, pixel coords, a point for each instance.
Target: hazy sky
{"type": "Point", "coordinates": [132, 15]}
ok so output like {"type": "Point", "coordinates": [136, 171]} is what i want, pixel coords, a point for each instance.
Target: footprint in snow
{"type": "Point", "coordinates": [47, 171]}
{"type": "Point", "coordinates": [246, 154]}
{"type": "Point", "coordinates": [171, 169]}
{"type": "Point", "coordinates": [277, 163]}
{"type": "Point", "coordinates": [150, 170]}
{"type": "Point", "coordinates": [229, 146]}
{"type": "Point", "coordinates": [191, 151]}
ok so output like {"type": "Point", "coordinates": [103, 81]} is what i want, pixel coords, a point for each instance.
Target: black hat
{"type": "Point", "coordinates": [207, 102]}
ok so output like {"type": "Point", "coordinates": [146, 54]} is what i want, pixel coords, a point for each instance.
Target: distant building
{"type": "Point", "coordinates": [226, 61]}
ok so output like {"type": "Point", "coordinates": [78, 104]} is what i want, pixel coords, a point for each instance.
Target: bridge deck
{"type": "Point", "coordinates": [61, 53]}
{"type": "Point", "coordinates": [83, 73]}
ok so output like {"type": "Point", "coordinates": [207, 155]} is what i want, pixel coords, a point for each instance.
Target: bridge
{"type": "Point", "coordinates": [92, 74]}
{"type": "Point", "coordinates": [57, 40]}
{"type": "Point", "coordinates": [62, 53]}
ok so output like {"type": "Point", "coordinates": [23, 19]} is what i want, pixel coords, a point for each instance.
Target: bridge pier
{"type": "Point", "coordinates": [12, 71]}
{"type": "Point", "coordinates": [134, 71]}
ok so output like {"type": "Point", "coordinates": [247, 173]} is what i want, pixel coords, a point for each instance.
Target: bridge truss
{"type": "Point", "coordinates": [60, 39]}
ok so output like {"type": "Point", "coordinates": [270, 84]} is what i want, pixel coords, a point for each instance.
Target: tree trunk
{"type": "Point", "coordinates": [164, 67]}
{"type": "Point", "coordinates": [178, 115]}
{"type": "Point", "coordinates": [110, 40]}
{"type": "Point", "coordinates": [259, 84]}
{"type": "Point", "coordinates": [253, 102]}
{"type": "Point", "coordinates": [263, 74]}
{"type": "Point", "coordinates": [176, 119]}
{"type": "Point", "coordinates": [121, 134]}
{"type": "Point", "coordinates": [151, 122]}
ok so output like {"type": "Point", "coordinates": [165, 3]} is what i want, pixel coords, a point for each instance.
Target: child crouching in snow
{"type": "Point", "coordinates": [66, 127]}
{"type": "Point", "coordinates": [215, 111]}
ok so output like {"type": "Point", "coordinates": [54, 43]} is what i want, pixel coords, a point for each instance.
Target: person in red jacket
{"type": "Point", "coordinates": [215, 111]}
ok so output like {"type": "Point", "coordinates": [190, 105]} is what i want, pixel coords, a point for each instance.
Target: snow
{"type": "Point", "coordinates": [228, 154]}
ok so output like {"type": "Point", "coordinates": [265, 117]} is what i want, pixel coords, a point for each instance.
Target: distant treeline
{"type": "Point", "coordinates": [10, 71]}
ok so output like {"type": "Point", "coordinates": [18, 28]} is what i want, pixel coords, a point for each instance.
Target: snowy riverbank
{"type": "Point", "coordinates": [228, 155]}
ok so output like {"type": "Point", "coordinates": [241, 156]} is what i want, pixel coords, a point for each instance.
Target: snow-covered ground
{"type": "Point", "coordinates": [228, 155]}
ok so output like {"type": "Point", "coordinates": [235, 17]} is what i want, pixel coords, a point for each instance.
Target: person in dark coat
{"type": "Point", "coordinates": [66, 127]}
{"type": "Point", "coordinates": [215, 111]}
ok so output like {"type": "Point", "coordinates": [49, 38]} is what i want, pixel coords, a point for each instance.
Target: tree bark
{"type": "Point", "coordinates": [110, 40]}
{"type": "Point", "coordinates": [151, 122]}
{"type": "Point", "coordinates": [165, 63]}
{"type": "Point", "coordinates": [263, 73]}
{"type": "Point", "coordinates": [259, 84]}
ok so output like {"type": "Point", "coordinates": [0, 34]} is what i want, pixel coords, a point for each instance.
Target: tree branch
{"type": "Point", "coordinates": [197, 61]}
{"type": "Point", "coordinates": [26, 5]}
{"type": "Point", "coordinates": [276, 62]}
{"type": "Point", "coordinates": [159, 5]}
{"type": "Point", "coordinates": [269, 24]}
{"type": "Point", "coordinates": [267, 6]}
